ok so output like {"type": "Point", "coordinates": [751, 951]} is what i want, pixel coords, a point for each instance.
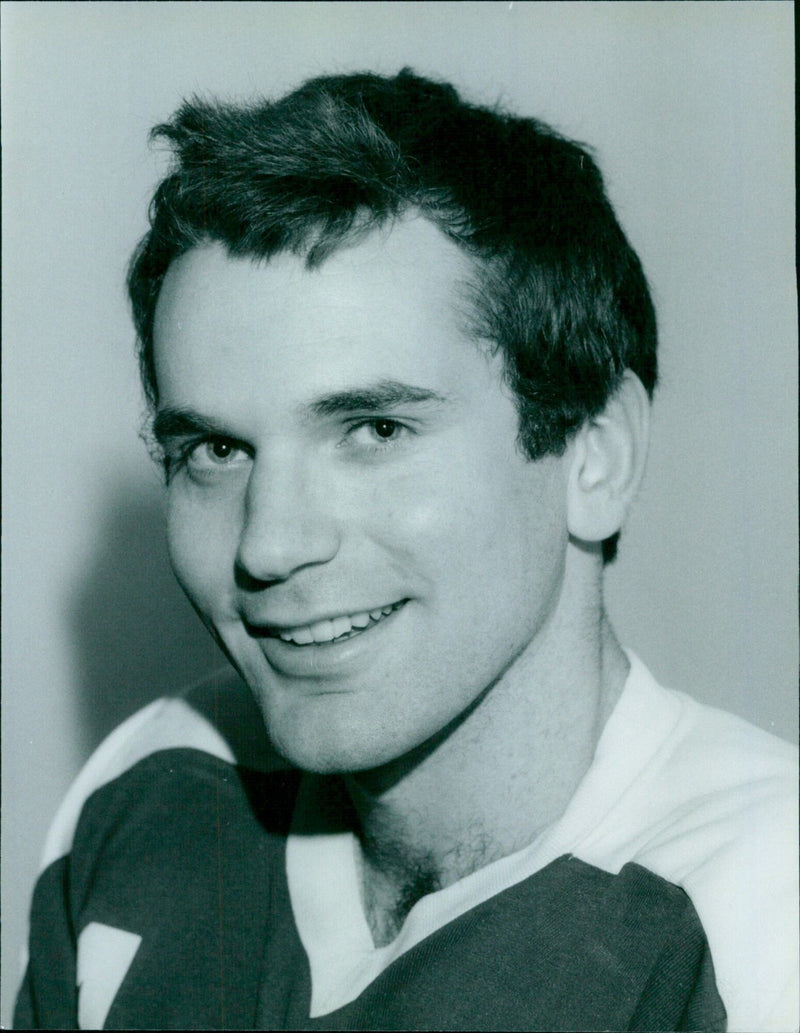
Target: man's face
{"type": "Point", "coordinates": [348, 508]}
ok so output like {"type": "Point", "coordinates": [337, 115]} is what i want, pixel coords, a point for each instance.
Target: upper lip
{"type": "Point", "coordinates": [273, 626]}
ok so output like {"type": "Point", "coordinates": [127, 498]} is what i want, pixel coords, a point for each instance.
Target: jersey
{"type": "Point", "coordinates": [192, 880]}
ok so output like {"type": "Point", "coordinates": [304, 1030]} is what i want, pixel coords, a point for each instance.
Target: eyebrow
{"type": "Point", "coordinates": [373, 398]}
{"type": "Point", "coordinates": [179, 422]}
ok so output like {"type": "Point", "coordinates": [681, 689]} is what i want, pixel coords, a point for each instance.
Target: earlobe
{"type": "Point", "coordinates": [608, 460]}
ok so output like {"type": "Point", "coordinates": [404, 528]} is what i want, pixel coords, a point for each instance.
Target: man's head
{"type": "Point", "coordinates": [556, 287]}
{"type": "Point", "coordinates": [392, 419]}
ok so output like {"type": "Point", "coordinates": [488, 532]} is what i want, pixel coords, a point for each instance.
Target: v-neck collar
{"type": "Point", "coordinates": [323, 870]}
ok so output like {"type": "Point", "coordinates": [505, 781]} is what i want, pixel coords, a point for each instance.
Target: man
{"type": "Point", "coordinates": [399, 356]}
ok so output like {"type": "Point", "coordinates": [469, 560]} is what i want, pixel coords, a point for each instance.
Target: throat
{"type": "Point", "coordinates": [389, 894]}
{"type": "Point", "coordinates": [395, 875]}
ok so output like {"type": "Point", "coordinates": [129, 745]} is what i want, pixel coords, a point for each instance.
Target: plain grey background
{"type": "Point", "coordinates": [689, 107]}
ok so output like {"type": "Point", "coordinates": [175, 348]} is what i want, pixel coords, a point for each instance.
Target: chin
{"type": "Point", "coordinates": [330, 758]}
{"type": "Point", "coordinates": [322, 745]}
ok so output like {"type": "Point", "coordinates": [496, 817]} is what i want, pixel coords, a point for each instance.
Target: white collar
{"type": "Point", "coordinates": [323, 871]}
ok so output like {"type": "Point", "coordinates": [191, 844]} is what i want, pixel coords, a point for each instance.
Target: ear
{"type": "Point", "coordinates": [608, 460]}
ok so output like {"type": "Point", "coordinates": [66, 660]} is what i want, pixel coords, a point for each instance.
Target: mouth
{"type": "Point", "coordinates": [334, 629]}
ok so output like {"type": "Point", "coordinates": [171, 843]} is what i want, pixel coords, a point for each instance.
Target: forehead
{"type": "Point", "coordinates": [394, 299]}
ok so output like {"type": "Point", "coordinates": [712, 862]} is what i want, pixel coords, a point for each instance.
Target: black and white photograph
{"type": "Point", "coordinates": [400, 559]}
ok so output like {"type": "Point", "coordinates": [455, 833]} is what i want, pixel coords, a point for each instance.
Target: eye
{"type": "Point", "coordinates": [385, 430]}
{"type": "Point", "coordinates": [377, 433]}
{"type": "Point", "coordinates": [220, 450]}
{"type": "Point", "coordinates": [213, 455]}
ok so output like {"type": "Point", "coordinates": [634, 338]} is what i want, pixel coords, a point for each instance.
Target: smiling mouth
{"type": "Point", "coordinates": [335, 629]}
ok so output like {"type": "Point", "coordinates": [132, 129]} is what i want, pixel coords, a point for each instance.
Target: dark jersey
{"type": "Point", "coordinates": [191, 883]}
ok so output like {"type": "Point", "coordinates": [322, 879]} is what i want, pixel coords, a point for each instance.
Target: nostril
{"type": "Point", "coordinates": [247, 582]}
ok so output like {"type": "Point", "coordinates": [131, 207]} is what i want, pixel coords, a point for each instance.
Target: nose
{"type": "Point", "coordinates": [289, 522]}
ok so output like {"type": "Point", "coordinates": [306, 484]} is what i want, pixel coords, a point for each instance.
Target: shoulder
{"type": "Point", "coordinates": [180, 815]}
{"type": "Point", "coordinates": [732, 842]}
{"type": "Point", "coordinates": [681, 764]}
{"type": "Point", "coordinates": [216, 718]}
{"type": "Point", "coordinates": [711, 804]}
{"type": "Point", "coordinates": [717, 786]}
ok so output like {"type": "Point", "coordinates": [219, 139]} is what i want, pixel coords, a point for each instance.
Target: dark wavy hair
{"type": "Point", "coordinates": [557, 287]}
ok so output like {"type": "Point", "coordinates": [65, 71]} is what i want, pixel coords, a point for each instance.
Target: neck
{"type": "Point", "coordinates": [506, 771]}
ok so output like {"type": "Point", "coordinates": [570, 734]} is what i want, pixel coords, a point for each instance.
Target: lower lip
{"type": "Point", "coordinates": [324, 659]}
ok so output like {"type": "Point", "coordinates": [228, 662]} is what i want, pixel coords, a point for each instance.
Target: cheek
{"type": "Point", "coordinates": [505, 530]}
{"type": "Point", "coordinates": [202, 548]}
{"type": "Point", "coordinates": [455, 533]}
{"type": "Point", "coordinates": [497, 509]}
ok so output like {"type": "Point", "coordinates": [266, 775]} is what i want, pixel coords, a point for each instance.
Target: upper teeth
{"type": "Point", "coordinates": [328, 630]}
